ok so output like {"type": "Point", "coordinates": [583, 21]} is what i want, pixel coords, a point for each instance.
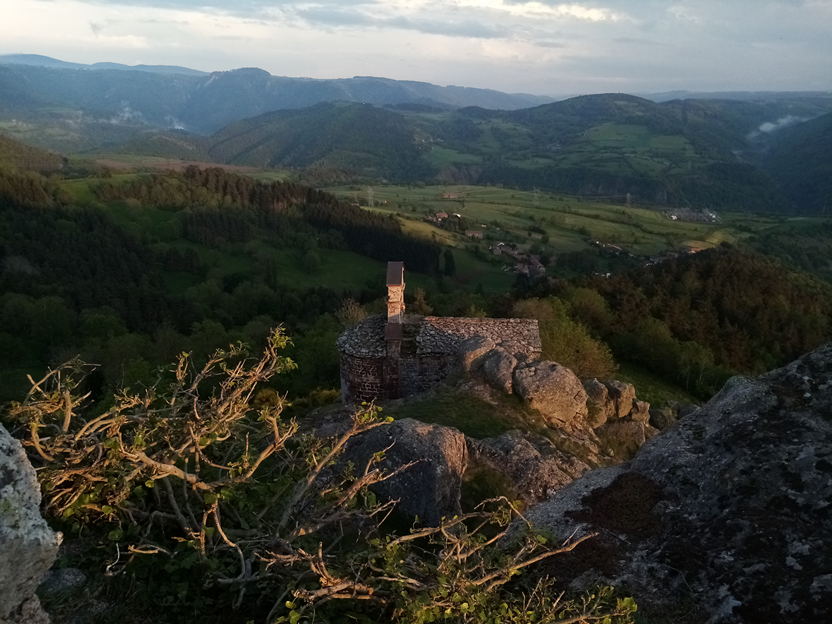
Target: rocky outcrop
{"type": "Point", "coordinates": [498, 369]}
{"type": "Point", "coordinates": [472, 350]}
{"type": "Point", "coordinates": [430, 488]}
{"type": "Point", "coordinates": [553, 390]}
{"type": "Point", "coordinates": [620, 420]}
{"type": "Point", "coordinates": [640, 412]}
{"type": "Point", "coordinates": [28, 547]}
{"type": "Point", "coordinates": [621, 396]}
{"type": "Point", "coordinates": [726, 517]}
{"type": "Point", "coordinates": [623, 438]}
{"type": "Point", "coordinates": [594, 422]}
{"type": "Point", "coordinates": [599, 407]}
{"type": "Point", "coordinates": [531, 462]}
{"type": "Point", "coordinates": [662, 418]}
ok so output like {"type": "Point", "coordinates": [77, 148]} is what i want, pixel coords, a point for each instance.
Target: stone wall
{"type": "Point", "coordinates": [365, 379]}
{"type": "Point", "coordinates": [418, 373]}
{"type": "Point", "coordinates": [423, 357]}
{"type": "Point", "coordinates": [362, 378]}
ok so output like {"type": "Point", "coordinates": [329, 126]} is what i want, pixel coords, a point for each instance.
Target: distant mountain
{"type": "Point", "coordinates": [176, 144]}
{"type": "Point", "coordinates": [731, 151]}
{"type": "Point", "coordinates": [746, 96]}
{"type": "Point", "coordinates": [16, 155]}
{"type": "Point", "coordinates": [800, 161]}
{"type": "Point", "coordinates": [173, 97]}
{"type": "Point", "coordinates": [674, 153]}
{"type": "Point", "coordinates": [679, 152]}
{"type": "Point", "coordinates": [47, 61]}
{"type": "Point", "coordinates": [359, 138]}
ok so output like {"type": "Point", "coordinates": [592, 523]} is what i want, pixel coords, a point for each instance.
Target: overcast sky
{"type": "Point", "coordinates": [540, 46]}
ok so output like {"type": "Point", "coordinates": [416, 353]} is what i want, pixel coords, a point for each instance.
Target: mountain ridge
{"type": "Point", "coordinates": [206, 102]}
{"type": "Point", "coordinates": [678, 153]}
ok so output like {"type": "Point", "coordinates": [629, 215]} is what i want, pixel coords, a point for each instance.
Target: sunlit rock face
{"type": "Point", "coordinates": [725, 518]}
{"type": "Point", "coordinates": [28, 547]}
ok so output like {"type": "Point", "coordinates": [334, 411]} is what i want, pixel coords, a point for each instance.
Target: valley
{"type": "Point", "coordinates": [660, 252]}
{"type": "Point", "coordinates": [553, 225]}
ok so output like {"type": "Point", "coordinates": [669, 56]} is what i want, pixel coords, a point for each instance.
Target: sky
{"type": "Point", "coordinates": [542, 47]}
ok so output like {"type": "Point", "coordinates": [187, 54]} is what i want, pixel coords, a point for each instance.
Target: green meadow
{"type": "Point", "coordinates": [570, 223]}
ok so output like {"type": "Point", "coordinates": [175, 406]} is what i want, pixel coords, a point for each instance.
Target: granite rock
{"type": "Point", "coordinates": [724, 518]}
{"type": "Point", "coordinates": [28, 547]}
{"type": "Point", "coordinates": [553, 390]}
{"type": "Point", "coordinates": [498, 369]}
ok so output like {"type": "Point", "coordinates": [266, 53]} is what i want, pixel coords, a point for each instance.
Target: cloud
{"type": "Point", "coordinates": [536, 46]}
{"type": "Point", "coordinates": [770, 127]}
{"type": "Point", "coordinates": [784, 122]}
{"type": "Point", "coordinates": [354, 18]}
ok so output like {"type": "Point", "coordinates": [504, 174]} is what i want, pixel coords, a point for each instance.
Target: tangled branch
{"type": "Point", "coordinates": [196, 465]}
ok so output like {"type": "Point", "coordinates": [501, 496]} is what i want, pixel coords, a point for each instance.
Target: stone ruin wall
{"type": "Point", "coordinates": [368, 378]}
{"type": "Point", "coordinates": [372, 368]}
{"type": "Point", "coordinates": [362, 378]}
{"type": "Point", "coordinates": [419, 373]}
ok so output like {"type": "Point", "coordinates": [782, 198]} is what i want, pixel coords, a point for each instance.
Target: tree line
{"type": "Point", "coordinates": [700, 319]}
{"type": "Point", "coordinates": [220, 207]}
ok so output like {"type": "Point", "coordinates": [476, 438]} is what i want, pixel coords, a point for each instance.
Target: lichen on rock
{"type": "Point", "coordinates": [738, 528]}
{"type": "Point", "coordinates": [28, 547]}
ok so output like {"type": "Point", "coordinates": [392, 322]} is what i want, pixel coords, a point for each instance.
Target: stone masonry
{"type": "Point", "coordinates": [404, 354]}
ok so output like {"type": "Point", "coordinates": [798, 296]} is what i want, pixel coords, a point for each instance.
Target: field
{"type": "Point", "coordinates": [550, 225]}
{"type": "Point", "coordinates": [572, 224]}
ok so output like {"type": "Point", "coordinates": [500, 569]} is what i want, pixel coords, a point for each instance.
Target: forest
{"type": "Point", "coordinates": [131, 294]}
{"type": "Point", "coordinates": [75, 281]}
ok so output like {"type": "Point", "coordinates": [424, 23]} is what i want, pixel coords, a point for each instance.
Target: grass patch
{"type": "Point", "coordinates": [650, 388]}
{"type": "Point", "coordinates": [474, 417]}
{"type": "Point", "coordinates": [443, 156]}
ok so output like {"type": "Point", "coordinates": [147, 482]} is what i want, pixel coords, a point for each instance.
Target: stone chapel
{"type": "Point", "coordinates": [398, 355]}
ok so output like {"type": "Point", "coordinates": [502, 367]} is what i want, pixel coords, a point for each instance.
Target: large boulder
{"type": "Point", "coordinates": [725, 518]}
{"type": "Point", "coordinates": [498, 369]}
{"type": "Point", "coordinates": [535, 467]}
{"type": "Point", "coordinates": [599, 407]}
{"type": "Point", "coordinates": [28, 547]}
{"type": "Point", "coordinates": [430, 488]}
{"type": "Point", "coordinates": [621, 395]}
{"type": "Point", "coordinates": [662, 418]}
{"type": "Point", "coordinates": [640, 412]}
{"type": "Point", "coordinates": [622, 437]}
{"type": "Point", "coordinates": [553, 390]}
{"type": "Point", "coordinates": [471, 351]}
